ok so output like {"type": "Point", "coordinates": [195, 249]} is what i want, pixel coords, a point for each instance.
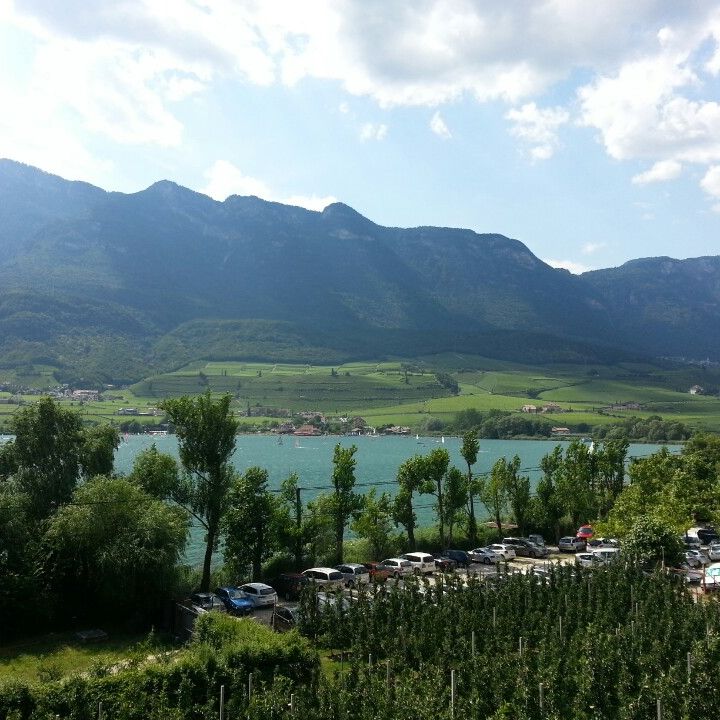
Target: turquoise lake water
{"type": "Point", "coordinates": [378, 459]}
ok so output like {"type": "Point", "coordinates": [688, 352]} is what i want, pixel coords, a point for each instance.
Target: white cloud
{"type": "Point", "coordinates": [574, 267]}
{"type": "Point", "coordinates": [373, 131]}
{"type": "Point", "coordinates": [590, 247]}
{"type": "Point", "coordinates": [438, 126]}
{"type": "Point", "coordinates": [711, 181]}
{"type": "Point", "coordinates": [538, 128]}
{"type": "Point", "coordinates": [344, 108]}
{"type": "Point", "coordinates": [225, 179]}
{"type": "Point", "coordinates": [661, 171]}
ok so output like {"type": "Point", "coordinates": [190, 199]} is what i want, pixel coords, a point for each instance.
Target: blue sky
{"type": "Point", "coordinates": [589, 131]}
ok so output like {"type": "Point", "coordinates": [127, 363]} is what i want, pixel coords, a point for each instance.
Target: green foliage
{"type": "Point", "coordinates": [344, 502]}
{"type": "Point", "coordinates": [652, 429]}
{"type": "Point", "coordinates": [155, 472]}
{"type": "Point", "coordinates": [113, 550]}
{"type": "Point", "coordinates": [650, 543]}
{"type": "Point", "coordinates": [98, 452]}
{"type": "Point", "coordinates": [250, 523]}
{"type": "Point", "coordinates": [374, 522]}
{"type": "Point", "coordinates": [205, 430]}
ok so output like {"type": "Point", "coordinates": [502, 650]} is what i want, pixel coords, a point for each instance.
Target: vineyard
{"type": "Point", "coordinates": [576, 644]}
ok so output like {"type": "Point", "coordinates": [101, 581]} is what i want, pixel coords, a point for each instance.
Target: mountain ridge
{"type": "Point", "coordinates": [83, 270]}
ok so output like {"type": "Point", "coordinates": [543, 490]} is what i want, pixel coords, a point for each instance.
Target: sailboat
{"type": "Point", "coordinates": [442, 439]}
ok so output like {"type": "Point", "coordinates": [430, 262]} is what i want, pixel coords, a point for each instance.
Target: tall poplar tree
{"type": "Point", "coordinates": [205, 430]}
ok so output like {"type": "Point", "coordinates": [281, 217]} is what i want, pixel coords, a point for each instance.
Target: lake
{"type": "Point", "coordinates": [378, 459]}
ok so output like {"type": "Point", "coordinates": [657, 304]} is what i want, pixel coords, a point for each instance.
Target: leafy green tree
{"type": "Point", "coordinates": [455, 499]}
{"type": "Point", "coordinates": [46, 455]}
{"type": "Point", "coordinates": [98, 450]}
{"type": "Point", "coordinates": [320, 528]}
{"type": "Point", "coordinates": [574, 484]}
{"type": "Point", "coordinates": [113, 550]}
{"type": "Point", "coordinates": [205, 430]}
{"type": "Point", "coordinates": [518, 495]}
{"type": "Point", "coordinates": [345, 502]}
{"type": "Point", "coordinates": [249, 523]}
{"type": "Point", "coordinates": [409, 479]}
{"type": "Point", "coordinates": [493, 490]}
{"type": "Point", "coordinates": [374, 522]}
{"type": "Point", "coordinates": [650, 542]}
{"type": "Point", "coordinates": [469, 450]}
{"type": "Point", "coordinates": [156, 473]}
{"type": "Point", "coordinates": [546, 507]}
{"type": "Point", "coordinates": [434, 469]}
{"type": "Point", "coordinates": [292, 526]}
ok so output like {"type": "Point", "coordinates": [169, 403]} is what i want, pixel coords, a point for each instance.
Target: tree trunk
{"type": "Point", "coordinates": [411, 536]}
{"type": "Point", "coordinates": [498, 522]}
{"type": "Point", "coordinates": [339, 533]}
{"type": "Point", "coordinates": [205, 582]}
{"type": "Point", "coordinates": [472, 522]}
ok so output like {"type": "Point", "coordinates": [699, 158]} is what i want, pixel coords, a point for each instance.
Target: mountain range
{"type": "Point", "coordinates": [111, 287]}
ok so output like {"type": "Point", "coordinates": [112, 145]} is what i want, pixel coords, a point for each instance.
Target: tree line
{"type": "Point", "coordinates": [77, 540]}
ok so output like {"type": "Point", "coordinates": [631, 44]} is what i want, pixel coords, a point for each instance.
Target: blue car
{"type": "Point", "coordinates": [235, 600]}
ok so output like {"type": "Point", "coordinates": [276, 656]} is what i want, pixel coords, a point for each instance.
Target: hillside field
{"type": "Point", "coordinates": [408, 392]}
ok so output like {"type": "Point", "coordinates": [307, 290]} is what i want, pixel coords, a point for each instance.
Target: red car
{"type": "Point", "coordinates": [585, 532]}
{"type": "Point", "coordinates": [377, 574]}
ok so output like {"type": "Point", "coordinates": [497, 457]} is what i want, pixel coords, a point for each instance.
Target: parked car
{"type": "Point", "coordinates": [354, 574]}
{"type": "Point", "coordinates": [397, 567]}
{"type": "Point", "coordinates": [524, 548]}
{"type": "Point", "coordinates": [262, 595]}
{"type": "Point", "coordinates": [459, 556]}
{"type": "Point", "coordinates": [205, 602]}
{"type": "Point", "coordinates": [571, 544]}
{"type": "Point", "coordinates": [600, 543]}
{"type": "Point", "coordinates": [607, 555]}
{"type": "Point", "coordinates": [587, 560]}
{"type": "Point", "coordinates": [285, 617]}
{"type": "Point", "coordinates": [537, 539]}
{"type": "Point", "coordinates": [290, 585]}
{"type": "Point", "coordinates": [696, 559]}
{"type": "Point", "coordinates": [378, 574]}
{"type": "Point", "coordinates": [484, 555]}
{"type": "Point", "coordinates": [711, 578]}
{"type": "Point", "coordinates": [235, 600]}
{"type": "Point", "coordinates": [423, 563]}
{"type": "Point", "coordinates": [444, 563]}
{"type": "Point", "coordinates": [706, 535]}
{"type": "Point", "coordinates": [505, 552]}
{"type": "Point", "coordinates": [327, 577]}
{"type": "Point", "coordinates": [714, 551]}
{"type": "Point", "coordinates": [585, 532]}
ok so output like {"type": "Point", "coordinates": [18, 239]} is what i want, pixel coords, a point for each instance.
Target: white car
{"type": "Point", "coordinates": [711, 578]}
{"type": "Point", "coordinates": [423, 563]}
{"type": "Point", "coordinates": [695, 558]}
{"type": "Point", "coordinates": [714, 552]}
{"type": "Point", "coordinates": [354, 574]}
{"type": "Point", "coordinates": [503, 551]}
{"type": "Point", "coordinates": [397, 567]}
{"type": "Point", "coordinates": [484, 555]}
{"type": "Point", "coordinates": [262, 595]}
{"type": "Point", "coordinates": [587, 560]}
{"type": "Point", "coordinates": [607, 555]}
{"type": "Point", "coordinates": [327, 577]}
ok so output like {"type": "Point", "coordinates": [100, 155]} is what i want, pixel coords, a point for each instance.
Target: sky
{"type": "Point", "coordinates": [590, 131]}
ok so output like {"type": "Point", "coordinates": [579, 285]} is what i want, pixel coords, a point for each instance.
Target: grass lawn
{"type": "Point", "coordinates": [57, 655]}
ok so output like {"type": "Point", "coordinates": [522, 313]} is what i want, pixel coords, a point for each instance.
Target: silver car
{"type": "Point", "coordinates": [484, 555]}
{"type": "Point", "coordinates": [570, 543]}
{"type": "Point", "coordinates": [354, 574]}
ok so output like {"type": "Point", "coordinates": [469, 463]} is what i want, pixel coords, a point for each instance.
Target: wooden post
{"type": "Point", "coordinates": [494, 617]}
{"type": "Point", "coordinates": [100, 710]}
{"type": "Point", "coordinates": [222, 702]}
{"type": "Point", "coordinates": [387, 673]}
{"type": "Point", "coordinates": [520, 646]}
{"type": "Point", "coordinates": [472, 643]}
{"type": "Point", "coordinates": [659, 709]}
{"type": "Point", "coordinates": [561, 637]}
{"type": "Point", "coordinates": [542, 697]}
{"type": "Point", "coordinates": [452, 693]}
{"type": "Point", "coordinates": [370, 660]}
{"type": "Point", "coordinates": [250, 686]}
{"type": "Point", "coordinates": [292, 703]}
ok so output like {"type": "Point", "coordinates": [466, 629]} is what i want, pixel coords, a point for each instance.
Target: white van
{"type": "Point", "coordinates": [327, 577]}
{"type": "Point", "coordinates": [423, 563]}
{"type": "Point", "coordinates": [607, 555]}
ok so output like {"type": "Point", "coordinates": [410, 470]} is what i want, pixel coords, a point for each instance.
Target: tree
{"type": "Point", "coordinates": [291, 526]}
{"type": "Point", "coordinates": [434, 468]}
{"type": "Point", "coordinates": [98, 451]}
{"type": "Point", "coordinates": [493, 491]}
{"type": "Point", "coordinates": [469, 450]}
{"type": "Point", "coordinates": [455, 498]}
{"type": "Point", "coordinates": [650, 542]}
{"type": "Point", "coordinates": [374, 522]}
{"type": "Point", "coordinates": [345, 501]}
{"type": "Point", "coordinates": [156, 473]}
{"type": "Point", "coordinates": [518, 494]}
{"type": "Point", "coordinates": [249, 526]}
{"type": "Point", "coordinates": [46, 454]}
{"type": "Point", "coordinates": [113, 551]}
{"type": "Point", "coordinates": [546, 506]}
{"type": "Point", "coordinates": [409, 478]}
{"type": "Point", "coordinates": [205, 430]}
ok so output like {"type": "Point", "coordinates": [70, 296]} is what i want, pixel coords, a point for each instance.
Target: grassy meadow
{"type": "Point", "coordinates": [408, 393]}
